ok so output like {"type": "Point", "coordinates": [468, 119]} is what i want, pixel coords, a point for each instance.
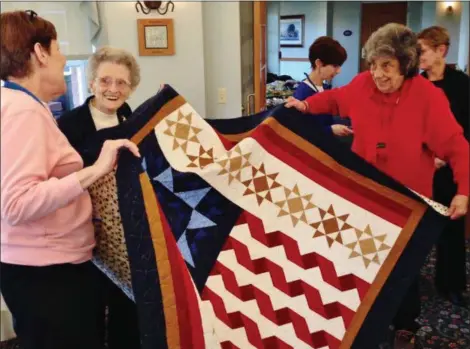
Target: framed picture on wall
{"type": "Point", "coordinates": [292, 31]}
{"type": "Point", "coordinates": [156, 37]}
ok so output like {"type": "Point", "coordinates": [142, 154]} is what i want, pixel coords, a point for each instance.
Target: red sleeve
{"type": "Point", "coordinates": [335, 101]}
{"type": "Point", "coordinates": [445, 138]}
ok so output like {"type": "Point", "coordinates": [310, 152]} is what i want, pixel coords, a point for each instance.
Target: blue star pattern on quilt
{"type": "Point", "coordinates": [200, 218]}
{"type": "Point", "coordinates": [196, 221]}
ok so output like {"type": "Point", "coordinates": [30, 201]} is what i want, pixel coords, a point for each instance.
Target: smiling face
{"type": "Point", "coordinates": [111, 87]}
{"type": "Point", "coordinates": [327, 72]}
{"type": "Point", "coordinates": [386, 74]}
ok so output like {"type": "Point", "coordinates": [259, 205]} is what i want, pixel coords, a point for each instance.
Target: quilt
{"type": "Point", "coordinates": [255, 232]}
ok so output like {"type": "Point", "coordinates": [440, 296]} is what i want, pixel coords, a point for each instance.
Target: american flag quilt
{"type": "Point", "coordinates": [255, 232]}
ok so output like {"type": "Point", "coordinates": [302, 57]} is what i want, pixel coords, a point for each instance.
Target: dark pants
{"type": "Point", "coordinates": [450, 263]}
{"type": "Point", "coordinates": [55, 307]}
{"type": "Point", "coordinates": [409, 310]}
{"type": "Point", "coordinates": [63, 307]}
{"type": "Point", "coordinates": [122, 330]}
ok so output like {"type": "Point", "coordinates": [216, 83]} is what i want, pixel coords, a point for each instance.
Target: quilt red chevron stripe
{"type": "Point", "coordinates": [307, 261]}
{"type": "Point", "coordinates": [284, 316]}
{"type": "Point", "coordinates": [292, 289]}
{"type": "Point", "coordinates": [228, 345]}
{"type": "Point", "coordinates": [237, 320]}
{"type": "Point", "coordinates": [251, 292]}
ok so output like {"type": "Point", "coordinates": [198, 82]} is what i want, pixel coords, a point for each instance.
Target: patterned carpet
{"type": "Point", "coordinates": [443, 324]}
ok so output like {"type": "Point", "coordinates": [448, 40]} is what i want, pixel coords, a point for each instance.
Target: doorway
{"type": "Point", "coordinates": [259, 53]}
{"type": "Point", "coordinates": [375, 15]}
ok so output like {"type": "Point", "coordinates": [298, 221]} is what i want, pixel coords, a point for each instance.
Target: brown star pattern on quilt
{"type": "Point", "coordinates": [367, 246]}
{"type": "Point", "coordinates": [182, 131]}
{"type": "Point", "coordinates": [205, 158]}
{"type": "Point", "coordinates": [331, 227]}
{"type": "Point", "coordinates": [295, 205]}
{"type": "Point", "coordinates": [233, 164]}
{"type": "Point", "coordinates": [260, 184]}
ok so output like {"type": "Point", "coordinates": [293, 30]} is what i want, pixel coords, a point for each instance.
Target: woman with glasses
{"type": "Point", "coordinates": [401, 123]}
{"type": "Point", "coordinates": [113, 75]}
{"type": "Point", "coordinates": [48, 281]}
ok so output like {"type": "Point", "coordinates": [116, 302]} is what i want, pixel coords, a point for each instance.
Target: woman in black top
{"type": "Point", "coordinates": [450, 266]}
{"type": "Point", "coordinates": [113, 76]}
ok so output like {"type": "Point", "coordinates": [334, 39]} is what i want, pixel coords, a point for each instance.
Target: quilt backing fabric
{"type": "Point", "coordinates": [255, 232]}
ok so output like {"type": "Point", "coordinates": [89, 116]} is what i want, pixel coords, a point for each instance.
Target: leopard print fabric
{"type": "Point", "coordinates": [110, 254]}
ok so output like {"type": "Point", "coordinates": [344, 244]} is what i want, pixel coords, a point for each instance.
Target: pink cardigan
{"type": "Point", "coordinates": [45, 213]}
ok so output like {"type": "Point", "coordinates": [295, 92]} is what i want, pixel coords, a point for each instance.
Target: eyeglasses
{"type": "Point", "coordinates": [107, 81]}
{"type": "Point", "coordinates": [32, 14]}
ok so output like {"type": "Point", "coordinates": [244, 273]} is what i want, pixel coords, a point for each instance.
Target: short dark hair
{"type": "Point", "coordinates": [328, 51]}
{"type": "Point", "coordinates": [20, 31]}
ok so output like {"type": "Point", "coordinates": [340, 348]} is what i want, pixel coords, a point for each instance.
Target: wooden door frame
{"type": "Point", "coordinates": [259, 51]}
{"type": "Point", "coordinates": [361, 23]}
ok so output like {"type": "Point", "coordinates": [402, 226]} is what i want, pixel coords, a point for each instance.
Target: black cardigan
{"type": "Point", "coordinates": [456, 86]}
{"type": "Point", "coordinates": [78, 126]}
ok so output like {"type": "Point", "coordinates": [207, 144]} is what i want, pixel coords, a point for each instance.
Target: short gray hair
{"type": "Point", "coordinates": [398, 41]}
{"type": "Point", "coordinates": [114, 55]}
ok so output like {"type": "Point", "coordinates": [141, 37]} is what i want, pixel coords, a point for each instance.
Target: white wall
{"type": "Point", "coordinates": [464, 36]}
{"type": "Point", "coordinates": [315, 13]}
{"type": "Point", "coordinates": [273, 10]}
{"type": "Point", "coordinates": [452, 23]}
{"type": "Point", "coordinates": [207, 40]}
{"type": "Point", "coordinates": [429, 14]}
{"type": "Point", "coordinates": [184, 71]}
{"type": "Point", "coordinates": [415, 15]}
{"type": "Point", "coordinates": [222, 56]}
{"type": "Point", "coordinates": [346, 17]}
{"type": "Point", "coordinates": [73, 30]}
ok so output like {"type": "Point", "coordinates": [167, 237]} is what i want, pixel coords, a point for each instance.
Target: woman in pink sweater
{"type": "Point", "coordinates": [47, 236]}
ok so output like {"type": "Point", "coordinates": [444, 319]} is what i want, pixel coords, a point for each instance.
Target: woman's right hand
{"type": "Point", "coordinates": [299, 105]}
{"type": "Point", "coordinates": [109, 155]}
{"type": "Point", "coordinates": [106, 161]}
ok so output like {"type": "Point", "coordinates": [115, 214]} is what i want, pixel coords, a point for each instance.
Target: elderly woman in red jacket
{"type": "Point", "coordinates": [401, 123]}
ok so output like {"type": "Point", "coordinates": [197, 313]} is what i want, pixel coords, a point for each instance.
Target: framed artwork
{"type": "Point", "coordinates": [156, 37]}
{"type": "Point", "coordinates": [292, 31]}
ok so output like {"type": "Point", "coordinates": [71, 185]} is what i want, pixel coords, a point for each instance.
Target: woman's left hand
{"type": "Point", "coordinates": [299, 105]}
{"type": "Point", "coordinates": [458, 207]}
{"type": "Point", "coordinates": [341, 130]}
{"type": "Point", "coordinates": [438, 163]}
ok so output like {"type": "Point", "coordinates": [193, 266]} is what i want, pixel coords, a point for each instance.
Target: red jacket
{"type": "Point", "coordinates": [402, 132]}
